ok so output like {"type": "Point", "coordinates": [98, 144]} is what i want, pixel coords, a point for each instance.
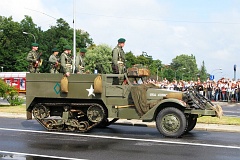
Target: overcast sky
{"type": "Point", "coordinates": [208, 29]}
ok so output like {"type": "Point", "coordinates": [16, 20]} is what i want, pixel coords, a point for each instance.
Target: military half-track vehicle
{"type": "Point", "coordinates": [99, 100]}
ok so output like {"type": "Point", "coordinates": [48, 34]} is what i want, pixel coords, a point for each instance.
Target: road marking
{"type": "Point", "coordinates": [39, 155]}
{"type": "Point", "coordinates": [126, 139]}
{"type": "Point", "coordinates": [231, 111]}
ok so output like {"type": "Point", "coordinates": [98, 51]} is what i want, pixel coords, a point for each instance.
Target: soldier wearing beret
{"type": "Point", "coordinates": [66, 61]}
{"type": "Point", "coordinates": [118, 57]}
{"type": "Point", "coordinates": [54, 61]}
{"type": "Point", "coordinates": [79, 66]}
{"type": "Point", "coordinates": [34, 60]}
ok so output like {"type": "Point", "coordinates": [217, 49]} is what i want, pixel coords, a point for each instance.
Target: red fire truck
{"type": "Point", "coordinates": [16, 79]}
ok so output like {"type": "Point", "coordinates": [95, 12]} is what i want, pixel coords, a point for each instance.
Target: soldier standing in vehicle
{"type": "Point", "coordinates": [118, 58]}
{"type": "Point", "coordinates": [66, 61]}
{"type": "Point", "coordinates": [54, 61]}
{"type": "Point", "coordinates": [34, 60]}
{"type": "Point", "coordinates": [80, 65]}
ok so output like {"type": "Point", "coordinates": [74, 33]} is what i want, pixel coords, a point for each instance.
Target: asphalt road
{"type": "Point", "coordinates": [231, 109]}
{"type": "Point", "coordinates": [22, 139]}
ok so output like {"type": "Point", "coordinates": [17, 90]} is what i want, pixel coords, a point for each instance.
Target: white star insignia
{"type": "Point", "coordinates": [90, 91]}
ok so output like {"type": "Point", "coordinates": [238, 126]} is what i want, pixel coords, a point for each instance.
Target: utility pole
{"type": "Point", "coordinates": [74, 36]}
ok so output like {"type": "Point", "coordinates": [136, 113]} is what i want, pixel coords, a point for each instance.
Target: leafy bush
{"type": "Point", "coordinates": [10, 94]}
{"type": "Point", "coordinates": [15, 101]}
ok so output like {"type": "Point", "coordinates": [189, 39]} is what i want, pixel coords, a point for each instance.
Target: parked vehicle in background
{"type": "Point", "coordinates": [15, 79]}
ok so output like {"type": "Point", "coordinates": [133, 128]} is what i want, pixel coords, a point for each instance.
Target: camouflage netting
{"type": "Point", "coordinates": [139, 96]}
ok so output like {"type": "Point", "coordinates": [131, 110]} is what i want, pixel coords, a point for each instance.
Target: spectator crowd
{"type": "Point", "coordinates": [224, 89]}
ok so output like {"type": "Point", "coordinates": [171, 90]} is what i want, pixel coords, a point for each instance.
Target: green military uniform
{"type": "Point", "coordinates": [118, 59]}
{"type": "Point", "coordinates": [54, 62]}
{"type": "Point", "coordinates": [79, 65]}
{"type": "Point", "coordinates": [66, 61]}
{"type": "Point", "coordinates": [32, 58]}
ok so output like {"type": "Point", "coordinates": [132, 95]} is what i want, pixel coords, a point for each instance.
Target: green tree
{"type": "Point", "coordinates": [11, 41]}
{"type": "Point", "coordinates": [155, 69]}
{"type": "Point", "coordinates": [130, 59]}
{"type": "Point", "coordinates": [60, 35]}
{"type": "Point", "coordinates": [100, 58]}
{"type": "Point", "coordinates": [144, 59]}
{"type": "Point", "coordinates": [167, 72]}
{"type": "Point", "coordinates": [15, 46]}
{"type": "Point", "coordinates": [185, 65]}
{"type": "Point", "coordinates": [83, 39]}
{"type": "Point", "coordinates": [203, 72]}
{"type": "Point", "coordinates": [34, 34]}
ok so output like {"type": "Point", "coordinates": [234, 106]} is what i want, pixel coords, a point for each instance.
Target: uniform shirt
{"type": "Point", "coordinates": [66, 62]}
{"type": "Point", "coordinates": [79, 62]}
{"type": "Point", "coordinates": [32, 59]}
{"type": "Point", "coordinates": [54, 65]}
{"type": "Point", "coordinates": [53, 59]}
{"type": "Point", "coordinates": [118, 55]}
{"type": "Point", "coordinates": [32, 56]}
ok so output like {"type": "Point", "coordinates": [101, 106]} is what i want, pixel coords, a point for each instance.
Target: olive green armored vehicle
{"type": "Point", "coordinates": [92, 100]}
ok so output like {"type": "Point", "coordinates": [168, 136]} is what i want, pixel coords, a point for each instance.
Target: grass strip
{"type": "Point", "coordinates": [13, 109]}
{"type": "Point", "coordinates": [225, 120]}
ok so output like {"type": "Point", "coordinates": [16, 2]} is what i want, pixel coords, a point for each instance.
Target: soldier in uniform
{"type": "Point", "coordinates": [118, 58]}
{"type": "Point", "coordinates": [54, 61]}
{"type": "Point", "coordinates": [66, 61]}
{"type": "Point", "coordinates": [33, 58]}
{"type": "Point", "coordinates": [80, 61]}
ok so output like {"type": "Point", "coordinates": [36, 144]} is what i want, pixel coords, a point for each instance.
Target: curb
{"type": "Point", "coordinates": [12, 115]}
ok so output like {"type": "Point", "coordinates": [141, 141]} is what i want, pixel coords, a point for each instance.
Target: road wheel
{"type": "Point", "coordinates": [171, 122]}
{"type": "Point", "coordinates": [40, 111]}
{"type": "Point", "coordinates": [192, 121]}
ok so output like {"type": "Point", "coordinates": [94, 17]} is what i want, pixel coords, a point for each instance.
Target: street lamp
{"type": "Point", "coordinates": [215, 70]}
{"type": "Point", "coordinates": [2, 68]}
{"type": "Point", "coordinates": [31, 34]}
{"type": "Point", "coordinates": [157, 72]}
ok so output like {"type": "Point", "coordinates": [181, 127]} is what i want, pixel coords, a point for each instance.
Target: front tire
{"type": "Point", "coordinates": [171, 122]}
{"type": "Point", "coordinates": [192, 121]}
